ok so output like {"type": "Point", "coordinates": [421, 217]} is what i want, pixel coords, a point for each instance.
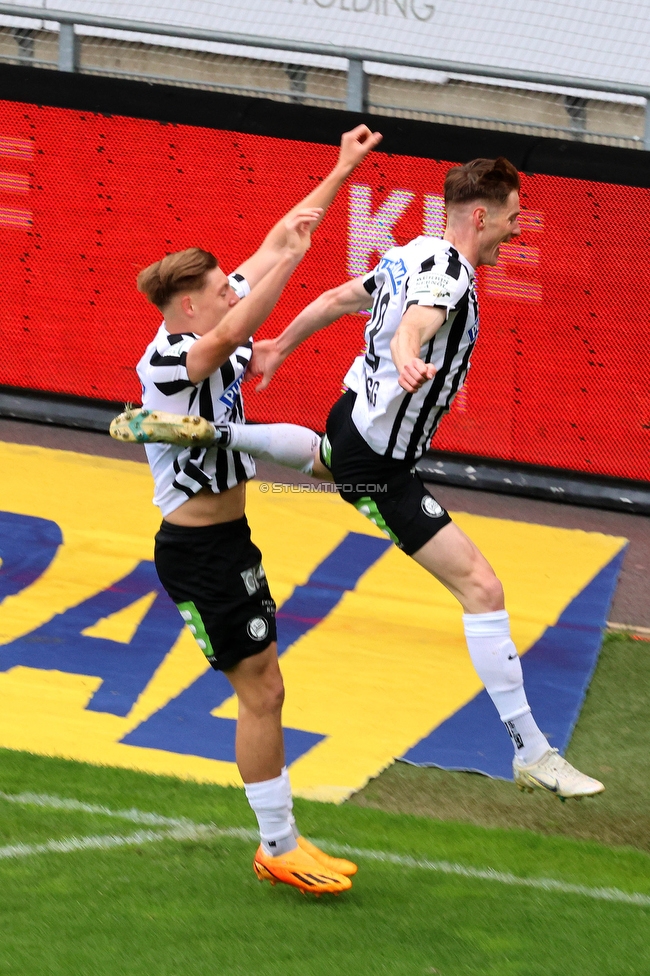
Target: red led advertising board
{"type": "Point", "coordinates": [560, 372]}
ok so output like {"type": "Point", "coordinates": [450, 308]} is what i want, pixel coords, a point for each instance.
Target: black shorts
{"type": "Point", "coordinates": [215, 577]}
{"type": "Point", "coordinates": [387, 491]}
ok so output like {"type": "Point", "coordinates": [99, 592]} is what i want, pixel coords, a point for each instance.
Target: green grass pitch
{"type": "Point", "coordinates": [192, 906]}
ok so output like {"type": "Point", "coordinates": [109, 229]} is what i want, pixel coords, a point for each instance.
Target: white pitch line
{"type": "Point", "coordinates": [104, 842]}
{"type": "Point", "coordinates": [59, 803]}
{"type": "Point", "coordinates": [182, 828]}
{"type": "Point", "coordinates": [489, 874]}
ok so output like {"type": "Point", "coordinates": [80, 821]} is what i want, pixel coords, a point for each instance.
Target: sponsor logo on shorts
{"type": "Point", "coordinates": [257, 628]}
{"type": "Point", "coordinates": [254, 578]}
{"type": "Point", "coordinates": [431, 507]}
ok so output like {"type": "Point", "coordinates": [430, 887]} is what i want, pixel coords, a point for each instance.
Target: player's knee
{"type": "Point", "coordinates": [274, 697]}
{"type": "Point", "coordinates": [258, 683]}
{"type": "Point", "coordinates": [262, 698]}
{"type": "Point", "coordinates": [487, 593]}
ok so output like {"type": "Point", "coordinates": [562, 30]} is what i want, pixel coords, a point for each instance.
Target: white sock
{"type": "Point", "coordinates": [287, 786]}
{"type": "Point", "coordinates": [283, 443]}
{"type": "Point", "coordinates": [268, 801]}
{"type": "Point", "coordinates": [498, 666]}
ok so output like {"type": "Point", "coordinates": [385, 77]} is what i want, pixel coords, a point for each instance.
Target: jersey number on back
{"type": "Point", "coordinates": [375, 326]}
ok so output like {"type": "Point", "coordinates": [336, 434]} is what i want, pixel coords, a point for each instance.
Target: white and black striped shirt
{"type": "Point", "coordinates": [180, 472]}
{"type": "Point", "coordinates": [426, 271]}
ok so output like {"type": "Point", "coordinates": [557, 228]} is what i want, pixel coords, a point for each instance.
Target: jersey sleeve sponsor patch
{"type": "Point", "coordinates": [437, 289]}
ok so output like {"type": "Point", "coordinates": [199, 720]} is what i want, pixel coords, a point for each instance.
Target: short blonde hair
{"type": "Point", "coordinates": [180, 271]}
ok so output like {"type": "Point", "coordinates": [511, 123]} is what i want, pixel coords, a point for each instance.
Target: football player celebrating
{"type": "Point", "coordinates": [419, 341]}
{"type": "Point", "coordinates": [204, 555]}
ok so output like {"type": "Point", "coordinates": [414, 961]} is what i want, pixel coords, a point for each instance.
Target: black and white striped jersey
{"type": "Point", "coordinates": [180, 472]}
{"type": "Point", "coordinates": [426, 271]}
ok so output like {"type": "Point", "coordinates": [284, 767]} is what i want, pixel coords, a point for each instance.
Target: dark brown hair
{"type": "Point", "coordinates": [181, 271]}
{"type": "Point", "coordinates": [482, 179]}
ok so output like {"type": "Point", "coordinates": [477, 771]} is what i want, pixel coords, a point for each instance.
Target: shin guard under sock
{"type": "Point", "coordinates": [497, 664]}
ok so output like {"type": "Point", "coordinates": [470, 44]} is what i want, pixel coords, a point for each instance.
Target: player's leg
{"type": "Point", "coordinates": [283, 855]}
{"type": "Point", "coordinates": [215, 576]}
{"type": "Point", "coordinates": [289, 444]}
{"type": "Point", "coordinates": [403, 508]}
{"type": "Point", "coordinates": [339, 864]}
{"type": "Point", "coordinates": [259, 747]}
{"type": "Point", "coordinates": [454, 559]}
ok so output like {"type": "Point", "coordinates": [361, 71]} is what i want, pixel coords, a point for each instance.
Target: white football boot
{"type": "Point", "coordinates": [555, 775]}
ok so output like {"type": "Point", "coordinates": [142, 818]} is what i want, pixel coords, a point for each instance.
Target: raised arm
{"type": "Point", "coordinates": [213, 349]}
{"type": "Point", "coordinates": [269, 354]}
{"type": "Point", "coordinates": [419, 324]}
{"type": "Point", "coordinates": [355, 146]}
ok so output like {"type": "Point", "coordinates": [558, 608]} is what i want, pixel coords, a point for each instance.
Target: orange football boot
{"type": "Point", "coordinates": [337, 864]}
{"type": "Point", "coordinates": [299, 869]}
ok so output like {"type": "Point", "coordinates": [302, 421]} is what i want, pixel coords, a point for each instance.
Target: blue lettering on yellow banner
{"type": "Point", "coordinates": [557, 671]}
{"type": "Point", "coordinates": [27, 547]}
{"type": "Point", "coordinates": [373, 661]}
{"type": "Point", "coordinates": [186, 725]}
{"type": "Point", "coordinates": [126, 669]}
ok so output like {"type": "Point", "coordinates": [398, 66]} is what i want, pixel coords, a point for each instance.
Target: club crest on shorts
{"type": "Point", "coordinates": [431, 507]}
{"type": "Point", "coordinates": [257, 628]}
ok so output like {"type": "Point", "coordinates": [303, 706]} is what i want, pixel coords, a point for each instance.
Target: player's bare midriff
{"type": "Point", "coordinates": [208, 508]}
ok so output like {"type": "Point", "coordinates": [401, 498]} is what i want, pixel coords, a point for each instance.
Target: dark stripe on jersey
{"type": "Point", "coordinates": [412, 302]}
{"type": "Point", "coordinates": [369, 285]}
{"type": "Point", "coordinates": [392, 440]}
{"type": "Point", "coordinates": [184, 488]}
{"type": "Point", "coordinates": [175, 386]}
{"type": "Point", "coordinates": [221, 469]}
{"type": "Point", "coordinates": [196, 474]}
{"type": "Point", "coordinates": [179, 336]}
{"type": "Point", "coordinates": [453, 342]}
{"type": "Point", "coordinates": [227, 374]}
{"type": "Point", "coordinates": [158, 360]}
{"type": "Point", "coordinates": [192, 399]}
{"type": "Point", "coordinates": [242, 360]}
{"type": "Point", "coordinates": [437, 417]}
{"type": "Point", "coordinates": [429, 354]}
{"type": "Point", "coordinates": [237, 277]}
{"type": "Point", "coordinates": [428, 264]}
{"type": "Point", "coordinates": [460, 376]}
{"type": "Point", "coordinates": [206, 409]}
{"type": "Point", "coordinates": [454, 267]}
{"type": "Point", "coordinates": [238, 411]}
{"type": "Point", "coordinates": [240, 470]}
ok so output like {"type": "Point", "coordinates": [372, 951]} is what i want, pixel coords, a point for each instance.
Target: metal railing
{"type": "Point", "coordinates": [356, 99]}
